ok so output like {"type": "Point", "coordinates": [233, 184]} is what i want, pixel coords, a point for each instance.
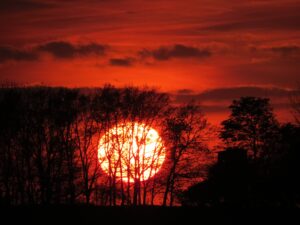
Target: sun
{"type": "Point", "coordinates": [131, 151]}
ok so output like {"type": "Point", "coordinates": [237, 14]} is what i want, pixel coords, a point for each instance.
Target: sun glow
{"type": "Point", "coordinates": [131, 151]}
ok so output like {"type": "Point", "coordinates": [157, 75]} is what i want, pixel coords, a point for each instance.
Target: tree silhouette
{"type": "Point", "coordinates": [236, 180]}
{"type": "Point", "coordinates": [183, 132]}
{"type": "Point", "coordinates": [295, 102]}
{"type": "Point", "coordinates": [251, 125]}
{"type": "Point", "coordinates": [122, 109]}
{"type": "Point", "coordinates": [86, 132]}
{"type": "Point", "coordinates": [49, 141]}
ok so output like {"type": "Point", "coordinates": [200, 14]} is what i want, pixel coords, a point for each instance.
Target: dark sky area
{"type": "Point", "coordinates": [211, 50]}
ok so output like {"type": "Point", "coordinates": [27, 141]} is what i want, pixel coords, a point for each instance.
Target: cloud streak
{"type": "Point", "coordinates": [215, 102]}
{"type": "Point", "coordinates": [287, 50]}
{"type": "Point", "coordinates": [13, 54]}
{"type": "Point", "coordinates": [221, 94]}
{"type": "Point", "coordinates": [59, 50]}
{"type": "Point", "coordinates": [177, 51]}
{"type": "Point", "coordinates": [123, 62]}
{"type": "Point", "coordinates": [260, 16]}
{"type": "Point", "coordinates": [66, 50]}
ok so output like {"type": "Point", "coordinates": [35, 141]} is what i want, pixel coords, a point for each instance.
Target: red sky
{"type": "Point", "coordinates": [211, 50]}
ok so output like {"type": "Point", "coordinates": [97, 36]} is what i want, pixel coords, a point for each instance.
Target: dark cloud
{"type": "Point", "coordinates": [216, 101]}
{"type": "Point", "coordinates": [237, 92]}
{"type": "Point", "coordinates": [286, 50]}
{"type": "Point", "coordinates": [126, 62]}
{"type": "Point", "coordinates": [176, 51]}
{"type": "Point", "coordinates": [23, 5]}
{"type": "Point", "coordinates": [9, 53]}
{"type": "Point", "coordinates": [61, 49]}
{"type": "Point", "coordinates": [223, 108]}
{"type": "Point", "coordinates": [91, 48]}
{"type": "Point", "coordinates": [223, 94]}
{"type": "Point", "coordinates": [185, 91]}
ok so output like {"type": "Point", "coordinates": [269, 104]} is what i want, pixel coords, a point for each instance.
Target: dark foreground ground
{"type": "Point", "coordinates": [145, 215]}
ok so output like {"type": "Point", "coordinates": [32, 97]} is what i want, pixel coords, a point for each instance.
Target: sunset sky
{"type": "Point", "coordinates": [210, 50]}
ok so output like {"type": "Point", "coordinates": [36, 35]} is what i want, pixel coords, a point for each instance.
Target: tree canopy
{"type": "Point", "coordinates": [251, 125]}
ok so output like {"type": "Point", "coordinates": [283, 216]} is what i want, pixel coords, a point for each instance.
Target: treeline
{"type": "Point", "coordinates": [260, 167]}
{"type": "Point", "coordinates": [49, 141]}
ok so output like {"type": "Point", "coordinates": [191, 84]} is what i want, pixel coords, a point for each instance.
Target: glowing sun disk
{"type": "Point", "coordinates": [131, 151]}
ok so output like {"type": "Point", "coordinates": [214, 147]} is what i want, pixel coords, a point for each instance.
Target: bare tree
{"type": "Point", "coordinates": [184, 130]}
{"type": "Point", "coordinates": [86, 135]}
{"type": "Point", "coordinates": [50, 140]}
{"type": "Point", "coordinates": [295, 101]}
{"type": "Point", "coordinates": [135, 111]}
